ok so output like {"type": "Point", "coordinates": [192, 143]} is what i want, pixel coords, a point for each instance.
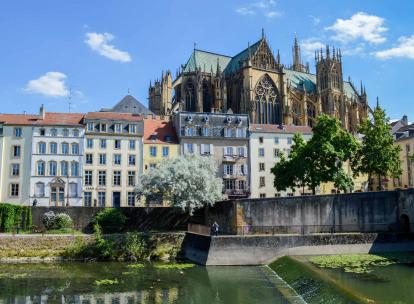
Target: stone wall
{"type": "Point", "coordinates": [153, 218]}
{"type": "Point", "coordinates": [355, 212]}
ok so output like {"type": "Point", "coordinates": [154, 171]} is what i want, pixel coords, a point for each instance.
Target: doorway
{"type": "Point", "coordinates": [116, 199]}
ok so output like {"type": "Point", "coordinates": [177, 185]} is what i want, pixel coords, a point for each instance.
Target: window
{"type": "Point", "coordinates": [18, 132]}
{"type": "Point", "coordinates": [65, 148]}
{"type": "Point", "coordinates": [89, 143]}
{"type": "Point", "coordinates": [205, 149]}
{"type": "Point", "coordinates": [73, 190]}
{"type": "Point", "coordinates": [260, 139]}
{"type": "Point", "coordinates": [277, 152]}
{"type": "Point", "coordinates": [261, 166]}
{"type": "Point", "coordinates": [65, 132]}
{"type": "Point", "coordinates": [102, 178]}
{"type": "Point", "coordinates": [102, 143]}
{"type": "Point", "coordinates": [262, 195]}
{"type": "Point", "coordinates": [242, 184]}
{"type": "Point", "coordinates": [87, 199]}
{"type": "Point", "coordinates": [240, 132]}
{"type": "Point", "coordinates": [117, 178]}
{"type": "Point", "coordinates": [39, 189]}
{"type": "Point", "coordinates": [153, 137]}
{"type": "Point", "coordinates": [229, 151]}
{"type": "Point", "coordinates": [132, 129]}
{"type": "Point", "coordinates": [168, 138]}
{"type": "Point", "coordinates": [57, 195]}
{"type": "Point", "coordinates": [132, 144]}
{"type": "Point", "coordinates": [117, 144]}
{"type": "Point", "coordinates": [16, 151]}
{"type": "Point", "coordinates": [277, 194]}
{"type": "Point", "coordinates": [241, 151]}
{"type": "Point", "coordinates": [262, 182]}
{"type": "Point", "coordinates": [276, 140]}
{"type": "Point", "coordinates": [190, 131]}
{"type": "Point", "coordinates": [153, 151]}
{"type": "Point", "coordinates": [53, 148]}
{"type": "Point", "coordinates": [75, 149]}
{"type": "Point", "coordinates": [261, 152]}
{"type": "Point", "coordinates": [101, 198]}
{"type": "Point", "coordinates": [41, 148]}
{"type": "Point", "coordinates": [228, 132]}
{"type": "Point", "coordinates": [1, 130]}
{"type": "Point", "coordinates": [290, 194]}
{"type": "Point", "coordinates": [42, 132]}
{"type": "Point", "coordinates": [131, 160]}
{"type": "Point", "coordinates": [76, 133]}
{"type": "Point", "coordinates": [205, 131]}
{"type": "Point", "coordinates": [243, 169]}
{"type": "Point", "coordinates": [131, 178]}
{"type": "Point", "coordinates": [117, 128]}
{"type": "Point", "coordinates": [41, 168]}
{"type": "Point", "coordinates": [90, 126]}
{"type": "Point", "coordinates": [64, 168]}
{"type": "Point", "coordinates": [229, 184]}
{"type": "Point", "coordinates": [14, 190]}
{"type": "Point", "coordinates": [102, 159]}
{"type": "Point", "coordinates": [289, 140]}
{"type": "Point", "coordinates": [190, 148]}
{"type": "Point", "coordinates": [228, 169]}
{"type": "Point", "coordinates": [131, 199]}
{"type": "Point", "coordinates": [15, 169]}
{"type": "Point", "coordinates": [101, 127]}
{"type": "Point", "coordinates": [117, 159]}
{"type": "Point", "coordinates": [88, 177]}
{"type": "Point", "coordinates": [52, 168]}
{"type": "Point", "coordinates": [89, 159]}
{"type": "Point", "coordinates": [152, 166]}
{"type": "Point", "coordinates": [165, 151]}
{"type": "Point", "coordinates": [74, 168]}
{"type": "Point", "coordinates": [53, 132]}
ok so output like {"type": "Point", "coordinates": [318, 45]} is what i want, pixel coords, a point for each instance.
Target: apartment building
{"type": "Point", "coordinates": [267, 144]}
{"type": "Point", "coordinates": [112, 158]}
{"type": "Point", "coordinates": [223, 136]}
{"type": "Point", "coordinates": [160, 141]}
{"type": "Point", "coordinates": [56, 159]}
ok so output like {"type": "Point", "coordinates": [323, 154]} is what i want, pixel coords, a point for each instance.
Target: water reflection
{"type": "Point", "coordinates": [75, 283]}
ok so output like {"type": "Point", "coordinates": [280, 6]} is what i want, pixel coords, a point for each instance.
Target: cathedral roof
{"type": "Point", "coordinates": [207, 61]}
{"type": "Point", "coordinates": [234, 63]}
{"type": "Point", "coordinates": [129, 104]}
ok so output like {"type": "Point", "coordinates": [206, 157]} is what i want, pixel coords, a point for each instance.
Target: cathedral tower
{"type": "Point", "coordinates": [160, 95]}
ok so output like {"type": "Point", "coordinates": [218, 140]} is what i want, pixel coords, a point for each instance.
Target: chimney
{"type": "Point", "coordinates": [404, 120]}
{"type": "Point", "coordinates": [42, 112]}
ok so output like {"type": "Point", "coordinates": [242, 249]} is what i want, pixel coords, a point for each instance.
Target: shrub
{"type": "Point", "coordinates": [48, 220]}
{"type": "Point", "coordinates": [62, 220]}
{"type": "Point", "coordinates": [134, 246]}
{"type": "Point", "coordinates": [14, 216]}
{"type": "Point", "coordinates": [111, 220]}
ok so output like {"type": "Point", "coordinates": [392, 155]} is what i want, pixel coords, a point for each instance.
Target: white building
{"type": "Point", "coordinates": [267, 143]}
{"type": "Point", "coordinates": [113, 158]}
{"type": "Point", "coordinates": [57, 155]}
{"type": "Point", "coordinates": [15, 157]}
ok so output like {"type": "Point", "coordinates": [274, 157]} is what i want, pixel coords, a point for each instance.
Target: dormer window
{"type": "Point", "coordinates": [90, 126]}
{"type": "Point", "coordinates": [117, 128]}
{"type": "Point", "coordinates": [238, 120]}
{"type": "Point", "coordinates": [102, 127]}
{"type": "Point", "coordinates": [132, 129]}
{"type": "Point", "coordinates": [190, 131]}
{"type": "Point", "coordinates": [42, 132]}
{"type": "Point", "coordinates": [228, 132]}
{"type": "Point", "coordinates": [205, 131]}
{"type": "Point", "coordinates": [189, 118]}
{"type": "Point", "coordinates": [153, 137]}
{"type": "Point", "coordinates": [228, 119]}
{"type": "Point", "coordinates": [168, 138]}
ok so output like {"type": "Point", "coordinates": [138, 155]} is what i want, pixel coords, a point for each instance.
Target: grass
{"type": "Point", "coordinates": [63, 231]}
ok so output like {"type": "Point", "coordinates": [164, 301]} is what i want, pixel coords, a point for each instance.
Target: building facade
{"type": "Point", "coordinates": [255, 82]}
{"type": "Point", "coordinates": [267, 144]}
{"type": "Point", "coordinates": [112, 158]}
{"type": "Point", "coordinates": [160, 141]}
{"type": "Point", "coordinates": [57, 159]}
{"type": "Point", "coordinates": [223, 136]}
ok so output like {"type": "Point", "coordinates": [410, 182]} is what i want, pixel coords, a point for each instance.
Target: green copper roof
{"type": "Point", "coordinates": [206, 61]}
{"type": "Point", "coordinates": [298, 79]}
{"type": "Point", "coordinates": [234, 64]}
{"type": "Point", "coordinates": [349, 90]}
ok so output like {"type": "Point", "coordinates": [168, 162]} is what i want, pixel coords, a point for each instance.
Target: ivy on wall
{"type": "Point", "coordinates": [12, 216]}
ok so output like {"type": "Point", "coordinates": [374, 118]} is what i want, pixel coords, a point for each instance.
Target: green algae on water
{"type": "Point", "coordinates": [177, 266]}
{"type": "Point", "coordinates": [136, 266]}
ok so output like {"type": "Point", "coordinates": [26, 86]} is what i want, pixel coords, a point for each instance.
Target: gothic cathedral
{"type": "Point", "coordinates": [256, 82]}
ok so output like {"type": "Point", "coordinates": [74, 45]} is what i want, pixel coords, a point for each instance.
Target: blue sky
{"type": "Point", "coordinates": [94, 51]}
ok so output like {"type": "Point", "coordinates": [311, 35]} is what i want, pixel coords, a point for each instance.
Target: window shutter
{"type": "Point", "coordinates": [224, 169]}
{"type": "Point", "coordinates": [185, 149]}
{"type": "Point", "coordinates": [224, 150]}
{"type": "Point", "coordinates": [202, 149]}
{"type": "Point", "coordinates": [211, 149]}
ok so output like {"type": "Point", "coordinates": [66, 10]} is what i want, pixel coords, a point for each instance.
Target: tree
{"type": "Point", "coordinates": [318, 160]}
{"type": "Point", "coordinates": [377, 156]}
{"type": "Point", "coordinates": [188, 183]}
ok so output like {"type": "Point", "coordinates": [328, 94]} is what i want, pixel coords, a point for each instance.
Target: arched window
{"type": "Point", "coordinates": [53, 148]}
{"type": "Point", "coordinates": [41, 148]}
{"type": "Point", "coordinates": [65, 148]}
{"type": "Point", "coordinates": [52, 168]}
{"type": "Point", "coordinates": [74, 169]}
{"type": "Point", "coordinates": [64, 170]}
{"type": "Point", "coordinates": [40, 168]}
{"type": "Point", "coordinates": [75, 149]}
{"type": "Point", "coordinates": [190, 96]}
{"type": "Point", "coordinates": [266, 101]}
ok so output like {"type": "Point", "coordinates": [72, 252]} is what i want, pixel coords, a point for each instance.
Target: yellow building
{"type": "Point", "coordinates": [160, 141]}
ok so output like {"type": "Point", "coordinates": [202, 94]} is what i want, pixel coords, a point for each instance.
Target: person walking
{"type": "Point", "coordinates": [215, 228]}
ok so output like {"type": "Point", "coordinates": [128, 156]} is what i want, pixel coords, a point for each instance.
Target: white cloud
{"type": "Point", "coordinates": [309, 46]}
{"type": "Point", "coordinates": [315, 20]}
{"type": "Point", "coordinates": [404, 49]}
{"type": "Point", "coordinates": [100, 43]}
{"type": "Point", "coordinates": [245, 11]}
{"type": "Point", "coordinates": [263, 7]}
{"type": "Point", "coordinates": [272, 14]}
{"type": "Point", "coordinates": [51, 84]}
{"type": "Point", "coordinates": [360, 26]}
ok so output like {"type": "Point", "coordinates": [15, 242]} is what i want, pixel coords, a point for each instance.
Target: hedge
{"type": "Point", "coordinates": [12, 216]}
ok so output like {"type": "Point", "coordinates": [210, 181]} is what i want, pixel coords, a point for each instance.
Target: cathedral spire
{"type": "Point", "coordinates": [278, 57]}
{"type": "Point", "coordinates": [297, 60]}
{"type": "Point", "coordinates": [218, 70]}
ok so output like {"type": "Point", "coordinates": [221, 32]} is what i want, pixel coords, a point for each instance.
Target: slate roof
{"type": "Point", "coordinates": [280, 129]}
{"type": "Point", "coordinates": [114, 116]}
{"type": "Point", "coordinates": [160, 129]}
{"type": "Point", "coordinates": [129, 104]}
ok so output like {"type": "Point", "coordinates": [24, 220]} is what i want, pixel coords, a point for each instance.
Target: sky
{"type": "Point", "coordinates": [92, 53]}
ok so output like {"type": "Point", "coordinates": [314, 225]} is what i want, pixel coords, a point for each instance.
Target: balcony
{"type": "Point", "coordinates": [229, 158]}
{"type": "Point", "coordinates": [237, 193]}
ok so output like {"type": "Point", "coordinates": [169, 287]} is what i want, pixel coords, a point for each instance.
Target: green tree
{"type": "Point", "coordinates": [377, 156]}
{"type": "Point", "coordinates": [318, 160]}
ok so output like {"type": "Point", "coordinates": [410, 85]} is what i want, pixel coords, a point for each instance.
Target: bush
{"type": "Point", "coordinates": [111, 220]}
{"type": "Point", "coordinates": [14, 216]}
{"type": "Point", "coordinates": [62, 220]}
{"type": "Point", "coordinates": [48, 220]}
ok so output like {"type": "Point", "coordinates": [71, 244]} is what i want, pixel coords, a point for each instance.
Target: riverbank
{"type": "Point", "coordinates": [57, 248]}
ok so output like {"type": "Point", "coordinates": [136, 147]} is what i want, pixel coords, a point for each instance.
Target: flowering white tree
{"type": "Point", "coordinates": [188, 183]}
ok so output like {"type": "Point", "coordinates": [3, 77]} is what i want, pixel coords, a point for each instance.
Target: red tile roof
{"type": "Point", "coordinates": [114, 116]}
{"type": "Point", "coordinates": [160, 128]}
{"type": "Point", "coordinates": [52, 119]}
{"type": "Point", "coordinates": [280, 129]}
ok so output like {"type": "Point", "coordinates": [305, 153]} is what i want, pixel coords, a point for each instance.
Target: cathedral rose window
{"type": "Point", "coordinates": [266, 90]}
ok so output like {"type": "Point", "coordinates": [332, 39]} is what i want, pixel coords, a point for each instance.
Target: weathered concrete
{"type": "Point", "coordinates": [261, 250]}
